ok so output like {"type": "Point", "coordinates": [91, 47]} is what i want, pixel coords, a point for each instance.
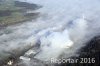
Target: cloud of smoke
{"type": "Point", "coordinates": [63, 27]}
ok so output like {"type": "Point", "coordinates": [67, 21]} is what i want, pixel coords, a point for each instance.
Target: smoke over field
{"type": "Point", "coordinates": [62, 28]}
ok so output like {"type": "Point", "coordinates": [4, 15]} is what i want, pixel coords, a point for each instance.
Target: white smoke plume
{"type": "Point", "coordinates": [63, 27]}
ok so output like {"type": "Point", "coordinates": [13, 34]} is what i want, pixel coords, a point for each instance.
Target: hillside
{"type": "Point", "coordinates": [12, 12]}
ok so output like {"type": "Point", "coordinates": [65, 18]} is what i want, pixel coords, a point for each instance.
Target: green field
{"type": "Point", "coordinates": [11, 14]}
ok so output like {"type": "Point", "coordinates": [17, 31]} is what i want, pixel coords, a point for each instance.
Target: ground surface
{"type": "Point", "coordinates": [12, 12]}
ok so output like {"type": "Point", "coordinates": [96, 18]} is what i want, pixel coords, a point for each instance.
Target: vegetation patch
{"type": "Point", "coordinates": [12, 12]}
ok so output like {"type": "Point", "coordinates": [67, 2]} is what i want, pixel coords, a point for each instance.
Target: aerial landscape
{"type": "Point", "coordinates": [49, 33]}
{"type": "Point", "coordinates": [14, 11]}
